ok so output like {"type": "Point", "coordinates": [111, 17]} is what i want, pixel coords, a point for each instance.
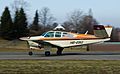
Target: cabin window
{"type": "Point", "coordinates": [58, 34]}
{"type": "Point", "coordinates": [49, 34]}
{"type": "Point", "coordinates": [64, 34]}
{"type": "Point", "coordinates": [68, 35]}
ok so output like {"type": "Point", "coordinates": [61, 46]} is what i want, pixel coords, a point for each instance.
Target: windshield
{"type": "Point", "coordinates": [43, 34]}
{"type": "Point", "coordinates": [49, 34]}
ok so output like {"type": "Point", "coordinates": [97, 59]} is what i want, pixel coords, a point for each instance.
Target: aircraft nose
{"type": "Point", "coordinates": [24, 38]}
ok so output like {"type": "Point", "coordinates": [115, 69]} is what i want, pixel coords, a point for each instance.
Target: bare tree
{"type": "Point", "coordinates": [68, 26]}
{"type": "Point", "coordinates": [87, 23]}
{"type": "Point", "coordinates": [46, 17]}
{"type": "Point", "coordinates": [74, 20]}
{"type": "Point", "coordinates": [17, 4]}
{"type": "Point", "coordinates": [80, 22]}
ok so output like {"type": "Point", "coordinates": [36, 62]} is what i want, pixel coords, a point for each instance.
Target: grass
{"type": "Point", "coordinates": [59, 67]}
{"type": "Point", "coordinates": [13, 44]}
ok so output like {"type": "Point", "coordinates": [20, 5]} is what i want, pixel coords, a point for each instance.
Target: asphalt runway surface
{"type": "Point", "coordinates": [64, 56]}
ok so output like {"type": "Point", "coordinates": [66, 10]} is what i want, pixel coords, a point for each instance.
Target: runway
{"type": "Point", "coordinates": [65, 56]}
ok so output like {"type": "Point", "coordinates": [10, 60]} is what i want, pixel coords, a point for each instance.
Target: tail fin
{"type": "Point", "coordinates": [102, 31]}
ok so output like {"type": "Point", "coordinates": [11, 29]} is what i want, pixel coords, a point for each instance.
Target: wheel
{"type": "Point", "coordinates": [30, 53]}
{"type": "Point", "coordinates": [47, 53]}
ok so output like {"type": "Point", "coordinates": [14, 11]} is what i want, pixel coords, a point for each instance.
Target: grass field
{"type": "Point", "coordinates": [59, 67]}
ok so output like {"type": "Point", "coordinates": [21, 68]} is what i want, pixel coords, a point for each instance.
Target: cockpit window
{"type": "Point", "coordinates": [49, 34]}
{"type": "Point", "coordinates": [58, 34]}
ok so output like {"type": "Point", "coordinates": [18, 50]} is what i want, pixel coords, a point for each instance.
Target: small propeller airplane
{"type": "Point", "coordinates": [62, 39]}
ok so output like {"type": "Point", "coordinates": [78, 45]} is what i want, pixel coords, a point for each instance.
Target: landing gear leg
{"type": "Point", "coordinates": [59, 51]}
{"type": "Point", "coordinates": [88, 48]}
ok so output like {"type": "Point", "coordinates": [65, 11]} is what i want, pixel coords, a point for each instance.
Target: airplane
{"type": "Point", "coordinates": [62, 39]}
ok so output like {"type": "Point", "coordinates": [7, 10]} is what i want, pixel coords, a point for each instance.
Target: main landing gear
{"type": "Point", "coordinates": [30, 52]}
{"type": "Point", "coordinates": [59, 51]}
{"type": "Point", "coordinates": [88, 48]}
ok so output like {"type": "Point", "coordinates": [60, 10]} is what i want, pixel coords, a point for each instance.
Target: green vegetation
{"type": "Point", "coordinates": [13, 29]}
{"type": "Point", "coordinates": [59, 67]}
{"type": "Point", "coordinates": [6, 23]}
{"type": "Point", "coordinates": [20, 24]}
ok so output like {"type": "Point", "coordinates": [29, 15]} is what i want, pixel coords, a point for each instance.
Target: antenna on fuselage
{"type": "Point", "coordinates": [86, 32]}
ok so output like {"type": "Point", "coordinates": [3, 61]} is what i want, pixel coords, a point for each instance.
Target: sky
{"type": "Point", "coordinates": [104, 11]}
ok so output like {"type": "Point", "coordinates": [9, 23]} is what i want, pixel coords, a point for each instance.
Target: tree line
{"type": "Point", "coordinates": [15, 27]}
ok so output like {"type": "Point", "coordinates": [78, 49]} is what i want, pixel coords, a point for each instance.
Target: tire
{"type": "Point", "coordinates": [30, 53]}
{"type": "Point", "coordinates": [47, 53]}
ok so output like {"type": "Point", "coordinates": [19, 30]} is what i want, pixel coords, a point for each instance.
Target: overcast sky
{"type": "Point", "coordinates": [105, 11]}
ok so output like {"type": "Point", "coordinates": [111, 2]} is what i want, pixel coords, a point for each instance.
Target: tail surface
{"type": "Point", "coordinates": [102, 31]}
